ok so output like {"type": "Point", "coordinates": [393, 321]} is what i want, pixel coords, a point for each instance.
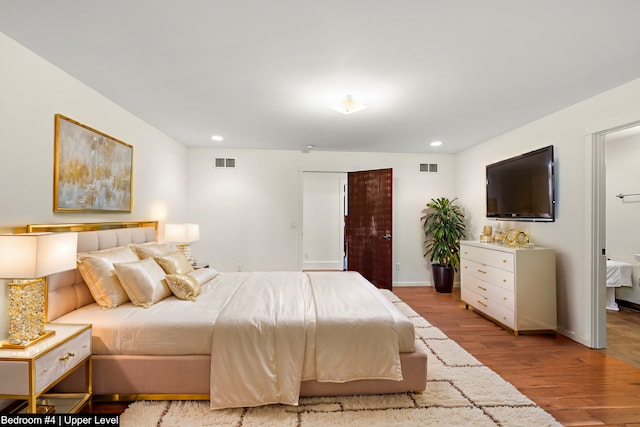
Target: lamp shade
{"type": "Point", "coordinates": [35, 255]}
{"type": "Point", "coordinates": [181, 233]}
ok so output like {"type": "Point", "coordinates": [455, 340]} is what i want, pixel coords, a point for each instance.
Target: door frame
{"type": "Point", "coordinates": [595, 229]}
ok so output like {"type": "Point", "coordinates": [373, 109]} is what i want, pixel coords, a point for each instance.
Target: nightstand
{"type": "Point", "coordinates": [198, 265]}
{"type": "Point", "coordinates": [28, 374]}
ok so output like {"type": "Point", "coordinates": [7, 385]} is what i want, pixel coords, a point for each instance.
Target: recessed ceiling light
{"type": "Point", "coordinates": [436, 143]}
{"type": "Point", "coordinates": [217, 138]}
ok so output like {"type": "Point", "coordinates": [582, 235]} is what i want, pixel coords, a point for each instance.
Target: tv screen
{"type": "Point", "coordinates": [523, 187]}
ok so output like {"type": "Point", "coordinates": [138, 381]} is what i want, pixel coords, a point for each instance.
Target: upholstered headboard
{"type": "Point", "coordinates": [67, 290]}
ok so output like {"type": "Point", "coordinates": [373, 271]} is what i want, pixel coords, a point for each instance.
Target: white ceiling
{"type": "Point", "coordinates": [263, 73]}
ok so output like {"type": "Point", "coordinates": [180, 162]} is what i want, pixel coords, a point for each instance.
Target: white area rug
{"type": "Point", "coordinates": [460, 391]}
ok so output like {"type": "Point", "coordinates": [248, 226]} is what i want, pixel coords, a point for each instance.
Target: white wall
{"type": "Point", "coordinates": [623, 232]}
{"type": "Point", "coordinates": [252, 215]}
{"type": "Point", "coordinates": [566, 130]}
{"type": "Point", "coordinates": [32, 91]}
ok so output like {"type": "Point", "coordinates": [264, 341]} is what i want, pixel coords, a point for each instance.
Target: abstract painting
{"type": "Point", "coordinates": [92, 170]}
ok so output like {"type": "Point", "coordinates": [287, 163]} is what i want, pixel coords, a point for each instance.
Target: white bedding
{"type": "Point", "coordinates": [618, 274]}
{"type": "Point", "coordinates": [332, 327]}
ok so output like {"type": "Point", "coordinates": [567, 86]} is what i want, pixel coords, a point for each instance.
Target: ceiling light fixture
{"type": "Point", "coordinates": [217, 138]}
{"type": "Point", "coordinates": [436, 143]}
{"type": "Point", "coordinates": [348, 106]}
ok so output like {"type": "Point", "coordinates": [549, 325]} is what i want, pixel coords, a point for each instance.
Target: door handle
{"type": "Point", "coordinates": [387, 236]}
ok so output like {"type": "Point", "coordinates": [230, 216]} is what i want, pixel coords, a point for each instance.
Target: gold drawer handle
{"type": "Point", "coordinates": [484, 289]}
{"type": "Point", "coordinates": [504, 298]}
{"type": "Point", "coordinates": [480, 302]}
{"type": "Point", "coordinates": [66, 357]}
{"type": "Point", "coordinates": [483, 272]}
{"type": "Point", "coordinates": [504, 260]}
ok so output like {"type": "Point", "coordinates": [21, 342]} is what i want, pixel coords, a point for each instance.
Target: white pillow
{"type": "Point", "coordinates": [97, 270]}
{"type": "Point", "coordinates": [151, 249]}
{"type": "Point", "coordinates": [204, 275]}
{"type": "Point", "coordinates": [143, 281]}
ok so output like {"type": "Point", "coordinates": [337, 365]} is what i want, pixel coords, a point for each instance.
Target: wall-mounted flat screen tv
{"type": "Point", "coordinates": [522, 188]}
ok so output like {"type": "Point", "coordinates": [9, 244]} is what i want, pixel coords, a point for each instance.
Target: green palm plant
{"type": "Point", "coordinates": [443, 225]}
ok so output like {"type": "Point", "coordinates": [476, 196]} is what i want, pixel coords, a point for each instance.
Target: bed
{"type": "Point", "coordinates": [326, 338]}
{"type": "Point", "coordinates": [618, 275]}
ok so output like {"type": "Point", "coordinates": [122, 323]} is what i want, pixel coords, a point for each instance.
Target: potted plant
{"type": "Point", "coordinates": [443, 225]}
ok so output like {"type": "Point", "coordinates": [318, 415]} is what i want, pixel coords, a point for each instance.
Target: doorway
{"type": "Point", "coordinates": [347, 223]}
{"type": "Point", "coordinates": [596, 229]}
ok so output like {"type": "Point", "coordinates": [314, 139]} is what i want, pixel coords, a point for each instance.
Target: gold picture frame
{"type": "Point", "coordinates": [92, 170]}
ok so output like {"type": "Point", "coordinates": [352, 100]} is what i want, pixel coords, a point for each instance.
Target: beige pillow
{"type": "Point", "coordinates": [97, 270]}
{"type": "Point", "coordinates": [183, 286]}
{"type": "Point", "coordinates": [143, 281]}
{"type": "Point", "coordinates": [174, 264]}
{"type": "Point", "coordinates": [204, 275]}
{"type": "Point", "coordinates": [151, 249]}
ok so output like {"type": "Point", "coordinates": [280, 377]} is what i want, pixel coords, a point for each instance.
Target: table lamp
{"type": "Point", "coordinates": [27, 259]}
{"type": "Point", "coordinates": [182, 235]}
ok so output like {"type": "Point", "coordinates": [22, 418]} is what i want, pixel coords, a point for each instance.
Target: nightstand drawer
{"type": "Point", "coordinates": [55, 364]}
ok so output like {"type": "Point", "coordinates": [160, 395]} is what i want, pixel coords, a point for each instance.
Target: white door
{"type": "Point", "coordinates": [323, 198]}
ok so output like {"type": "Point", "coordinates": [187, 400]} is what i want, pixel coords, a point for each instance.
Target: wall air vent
{"type": "Point", "coordinates": [429, 167]}
{"type": "Point", "coordinates": [222, 162]}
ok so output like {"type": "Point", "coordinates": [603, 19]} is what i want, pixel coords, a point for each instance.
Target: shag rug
{"type": "Point", "coordinates": [460, 391]}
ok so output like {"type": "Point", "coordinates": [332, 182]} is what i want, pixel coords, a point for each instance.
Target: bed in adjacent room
{"type": "Point", "coordinates": [618, 275]}
{"type": "Point", "coordinates": [236, 339]}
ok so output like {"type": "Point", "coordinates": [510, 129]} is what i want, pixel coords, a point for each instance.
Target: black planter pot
{"type": "Point", "coordinates": [442, 278]}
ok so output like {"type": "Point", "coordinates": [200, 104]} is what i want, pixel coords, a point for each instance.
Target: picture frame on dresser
{"type": "Point", "coordinates": [92, 170]}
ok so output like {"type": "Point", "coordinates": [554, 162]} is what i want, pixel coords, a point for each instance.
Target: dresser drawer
{"type": "Point", "coordinates": [491, 308]}
{"type": "Point", "coordinates": [487, 256]}
{"type": "Point", "coordinates": [487, 273]}
{"type": "Point", "coordinates": [490, 291]}
{"type": "Point", "coordinates": [55, 364]}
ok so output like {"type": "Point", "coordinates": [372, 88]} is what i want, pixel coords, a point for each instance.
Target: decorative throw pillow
{"type": "Point", "coordinates": [175, 263]}
{"type": "Point", "coordinates": [204, 275]}
{"type": "Point", "coordinates": [97, 270]}
{"type": "Point", "coordinates": [183, 286]}
{"type": "Point", "coordinates": [143, 281]}
{"type": "Point", "coordinates": [151, 249]}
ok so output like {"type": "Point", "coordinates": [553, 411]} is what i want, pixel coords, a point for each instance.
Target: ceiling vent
{"type": "Point", "coordinates": [225, 162]}
{"type": "Point", "coordinates": [429, 167]}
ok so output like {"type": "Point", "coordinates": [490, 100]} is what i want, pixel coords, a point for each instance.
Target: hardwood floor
{"type": "Point", "coordinates": [623, 335]}
{"type": "Point", "coordinates": [577, 385]}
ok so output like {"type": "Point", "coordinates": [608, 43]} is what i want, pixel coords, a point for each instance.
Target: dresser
{"type": "Point", "coordinates": [515, 287]}
{"type": "Point", "coordinates": [28, 374]}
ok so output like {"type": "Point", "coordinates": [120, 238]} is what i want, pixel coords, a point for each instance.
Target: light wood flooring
{"type": "Point", "coordinates": [623, 335]}
{"type": "Point", "coordinates": [577, 385]}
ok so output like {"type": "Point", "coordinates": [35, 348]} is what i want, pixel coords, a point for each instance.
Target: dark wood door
{"type": "Point", "coordinates": [368, 228]}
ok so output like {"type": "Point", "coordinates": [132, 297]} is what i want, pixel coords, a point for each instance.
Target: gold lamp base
{"type": "Point", "coordinates": [27, 313]}
{"type": "Point", "coordinates": [47, 334]}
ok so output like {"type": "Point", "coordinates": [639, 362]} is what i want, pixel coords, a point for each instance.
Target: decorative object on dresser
{"type": "Point", "coordinates": [443, 226]}
{"type": "Point", "coordinates": [28, 374]}
{"type": "Point", "coordinates": [515, 287]}
{"type": "Point", "coordinates": [32, 257]}
{"type": "Point", "coordinates": [182, 235]}
{"type": "Point", "coordinates": [92, 170]}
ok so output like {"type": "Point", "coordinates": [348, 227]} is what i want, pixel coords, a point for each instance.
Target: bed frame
{"type": "Point", "coordinates": [127, 377]}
